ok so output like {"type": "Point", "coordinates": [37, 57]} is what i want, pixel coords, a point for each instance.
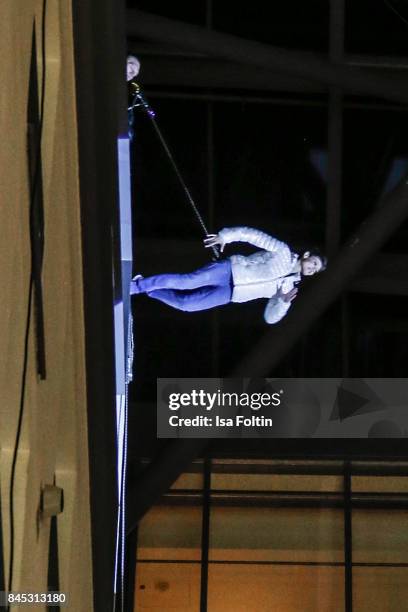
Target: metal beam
{"type": "Point", "coordinates": [348, 540]}
{"type": "Point", "coordinates": [217, 73]}
{"type": "Point", "coordinates": [303, 65]}
{"type": "Point", "coordinates": [277, 99]}
{"type": "Point", "coordinates": [295, 499]}
{"type": "Point", "coordinates": [204, 72]}
{"type": "Point", "coordinates": [205, 500]}
{"type": "Point", "coordinates": [295, 466]}
{"type": "Point", "coordinates": [324, 289]}
{"type": "Point", "coordinates": [390, 62]}
{"type": "Point", "coordinates": [368, 60]}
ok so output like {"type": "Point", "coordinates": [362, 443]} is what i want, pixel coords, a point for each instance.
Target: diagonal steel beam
{"type": "Point", "coordinates": [302, 65]}
{"type": "Point", "coordinates": [322, 291]}
{"type": "Point", "coordinates": [157, 478]}
{"type": "Point", "coordinates": [217, 73]}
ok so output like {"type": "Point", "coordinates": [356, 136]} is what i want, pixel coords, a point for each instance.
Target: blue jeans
{"type": "Point", "coordinates": [204, 288]}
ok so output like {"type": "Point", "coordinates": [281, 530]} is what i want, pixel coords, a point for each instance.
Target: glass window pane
{"type": "Point", "coordinates": [276, 534]}
{"type": "Point", "coordinates": [167, 586]}
{"type": "Point", "coordinates": [380, 536]}
{"type": "Point", "coordinates": [380, 589]}
{"type": "Point", "coordinates": [239, 588]}
{"type": "Point", "coordinates": [170, 532]}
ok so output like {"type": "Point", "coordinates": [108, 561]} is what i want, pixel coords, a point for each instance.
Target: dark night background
{"type": "Point", "coordinates": [248, 156]}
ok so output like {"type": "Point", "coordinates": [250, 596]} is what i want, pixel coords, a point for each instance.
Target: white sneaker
{"type": "Point", "coordinates": [134, 285]}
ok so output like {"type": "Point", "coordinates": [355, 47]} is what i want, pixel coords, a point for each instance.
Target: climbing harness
{"type": "Point", "coordinates": [139, 100]}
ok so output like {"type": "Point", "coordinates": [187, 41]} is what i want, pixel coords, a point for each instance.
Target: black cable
{"type": "Point", "coordinates": [140, 100]}
{"type": "Point", "coordinates": [29, 305]}
{"type": "Point", "coordinates": [392, 8]}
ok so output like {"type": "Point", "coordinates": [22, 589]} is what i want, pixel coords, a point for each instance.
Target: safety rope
{"type": "Point", "coordinates": [129, 378]}
{"type": "Point", "coordinates": [119, 580]}
{"type": "Point", "coordinates": [140, 100]}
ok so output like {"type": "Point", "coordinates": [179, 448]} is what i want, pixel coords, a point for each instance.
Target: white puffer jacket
{"type": "Point", "coordinates": [263, 273]}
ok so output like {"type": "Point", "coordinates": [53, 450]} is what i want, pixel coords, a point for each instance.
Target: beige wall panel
{"type": "Point", "coordinates": [54, 435]}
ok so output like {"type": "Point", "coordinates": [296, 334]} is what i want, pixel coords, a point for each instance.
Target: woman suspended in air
{"type": "Point", "coordinates": [271, 272]}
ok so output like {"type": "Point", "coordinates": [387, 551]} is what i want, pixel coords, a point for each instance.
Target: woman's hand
{"type": "Point", "coordinates": [289, 296]}
{"type": "Point", "coordinates": [213, 240]}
